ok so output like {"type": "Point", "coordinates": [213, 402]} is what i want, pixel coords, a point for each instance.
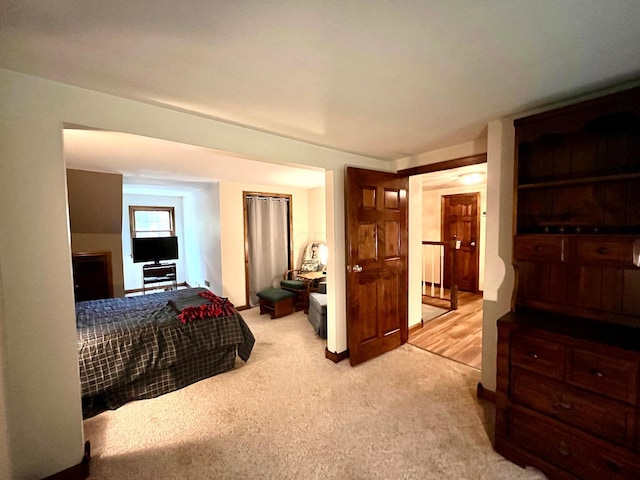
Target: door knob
{"type": "Point", "coordinates": [473, 244]}
{"type": "Point", "coordinates": [357, 268]}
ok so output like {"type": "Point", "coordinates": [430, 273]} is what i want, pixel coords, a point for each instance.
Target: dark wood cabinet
{"type": "Point", "coordinates": [577, 244]}
{"type": "Point", "coordinates": [567, 396]}
{"type": "Point", "coordinates": [580, 175]}
{"type": "Point", "coordinates": [159, 275]}
{"type": "Point", "coordinates": [92, 275]}
{"type": "Point", "coordinates": [593, 276]}
{"type": "Point", "coordinates": [567, 399]}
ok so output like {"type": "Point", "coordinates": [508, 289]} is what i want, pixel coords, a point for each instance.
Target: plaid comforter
{"type": "Point", "coordinates": [135, 347]}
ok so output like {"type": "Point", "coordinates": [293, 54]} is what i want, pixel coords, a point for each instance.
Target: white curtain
{"type": "Point", "coordinates": [268, 236]}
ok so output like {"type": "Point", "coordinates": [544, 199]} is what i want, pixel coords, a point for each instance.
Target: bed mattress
{"type": "Point", "coordinates": [135, 347]}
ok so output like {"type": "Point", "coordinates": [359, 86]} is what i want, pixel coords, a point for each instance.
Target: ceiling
{"type": "Point", "coordinates": [455, 177]}
{"type": "Point", "coordinates": [386, 79]}
{"type": "Point", "coordinates": [151, 166]}
{"type": "Point", "coordinates": [159, 167]}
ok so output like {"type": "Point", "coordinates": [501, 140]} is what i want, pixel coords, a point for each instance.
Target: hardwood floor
{"type": "Point", "coordinates": [457, 334]}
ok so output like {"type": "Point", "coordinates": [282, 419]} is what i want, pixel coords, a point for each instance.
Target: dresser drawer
{"type": "Point", "coordinates": [537, 355]}
{"type": "Point", "coordinates": [613, 377]}
{"type": "Point", "coordinates": [610, 252]}
{"type": "Point", "coordinates": [539, 247]}
{"type": "Point", "coordinates": [605, 418]}
{"type": "Point", "coordinates": [563, 446]}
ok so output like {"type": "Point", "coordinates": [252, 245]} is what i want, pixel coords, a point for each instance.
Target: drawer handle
{"type": "Point", "coordinates": [538, 248]}
{"type": "Point", "coordinates": [603, 251]}
{"type": "Point", "coordinates": [560, 404]}
{"type": "Point", "coordinates": [532, 355]}
{"type": "Point", "coordinates": [564, 449]}
{"type": "Point", "coordinates": [597, 373]}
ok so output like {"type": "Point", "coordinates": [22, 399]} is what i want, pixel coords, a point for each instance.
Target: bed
{"type": "Point", "coordinates": [145, 346]}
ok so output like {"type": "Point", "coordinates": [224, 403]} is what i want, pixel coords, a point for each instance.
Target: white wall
{"type": "Point", "coordinates": [202, 236]}
{"type": "Point", "coordinates": [35, 248]}
{"type": "Point", "coordinates": [4, 440]}
{"type": "Point", "coordinates": [317, 214]}
{"type": "Point", "coordinates": [499, 275]}
{"type": "Point", "coordinates": [42, 385]}
{"type": "Point", "coordinates": [336, 276]}
{"type": "Point", "coordinates": [133, 271]}
{"type": "Point", "coordinates": [415, 250]}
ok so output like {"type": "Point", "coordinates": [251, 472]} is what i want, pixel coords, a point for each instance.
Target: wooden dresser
{"type": "Point", "coordinates": [567, 397]}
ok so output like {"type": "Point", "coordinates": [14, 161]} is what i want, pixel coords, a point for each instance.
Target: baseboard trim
{"type": "Point", "coordinates": [336, 357]}
{"type": "Point", "coordinates": [417, 326]}
{"type": "Point", "coordinates": [484, 394]}
{"type": "Point", "coordinates": [77, 472]}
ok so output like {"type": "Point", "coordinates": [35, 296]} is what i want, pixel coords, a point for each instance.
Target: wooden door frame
{"type": "Point", "coordinates": [476, 234]}
{"type": "Point", "coordinates": [477, 159]}
{"type": "Point", "coordinates": [246, 194]}
{"type": "Point", "coordinates": [445, 165]}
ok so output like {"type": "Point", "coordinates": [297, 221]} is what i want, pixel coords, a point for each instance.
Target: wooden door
{"type": "Point", "coordinates": [377, 282]}
{"type": "Point", "coordinates": [461, 222]}
{"type": "Point", "coordinates": [92, 276]}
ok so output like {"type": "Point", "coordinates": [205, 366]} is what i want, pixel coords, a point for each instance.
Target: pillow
{"type": "Point", "coordinates": [311, 260]}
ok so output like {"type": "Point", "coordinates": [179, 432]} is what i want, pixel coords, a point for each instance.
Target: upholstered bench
{"type": "Point", "coordinates": [276, 301]}
{"type": "Point", "coordinates": [318, 313]}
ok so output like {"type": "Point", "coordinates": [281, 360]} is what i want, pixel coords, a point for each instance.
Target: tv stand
{"type": "Point", "coordinates": [157, 273]}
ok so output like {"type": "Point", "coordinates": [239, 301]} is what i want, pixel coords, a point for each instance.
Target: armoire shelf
{"type": "Point", "coordinates": [579, 181]}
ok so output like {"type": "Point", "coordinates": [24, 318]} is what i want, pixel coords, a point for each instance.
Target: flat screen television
{"type": "Point", "coordinates": [154, 249]}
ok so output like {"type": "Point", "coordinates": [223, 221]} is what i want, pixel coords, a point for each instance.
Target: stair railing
{"type": "Point", "coordinates": [433, 269]}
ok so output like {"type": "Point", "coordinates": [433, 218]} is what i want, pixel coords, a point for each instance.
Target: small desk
{"type": "Point", "coordinates": [159, 273]}
{"type": "Point", "coordinates": [310, 280]}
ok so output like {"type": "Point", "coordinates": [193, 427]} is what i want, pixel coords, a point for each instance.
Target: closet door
{"type": "Point", "coordinates": [92, 276]}
{"type": "Point", "coordinates": [268, 233]}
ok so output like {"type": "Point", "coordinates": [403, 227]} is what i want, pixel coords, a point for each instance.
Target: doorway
{"type": "Point", "coordinates": [452, 209]}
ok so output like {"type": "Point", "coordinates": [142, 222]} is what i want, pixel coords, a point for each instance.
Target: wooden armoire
{"type": "Point", "coordinates": [567, 396]}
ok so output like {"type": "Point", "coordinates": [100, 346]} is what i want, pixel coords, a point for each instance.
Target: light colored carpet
{"type": "Point", "coordinates": [291, 414]}
{"type": "Point", "coordinates": [429, 312]}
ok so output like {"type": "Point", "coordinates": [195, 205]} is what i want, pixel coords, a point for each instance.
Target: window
{"type": "Point", "coordinates": [152, 221]}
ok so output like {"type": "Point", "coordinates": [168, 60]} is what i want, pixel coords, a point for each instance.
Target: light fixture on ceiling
{"type": "Point", "coordinates": [472, 178]}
